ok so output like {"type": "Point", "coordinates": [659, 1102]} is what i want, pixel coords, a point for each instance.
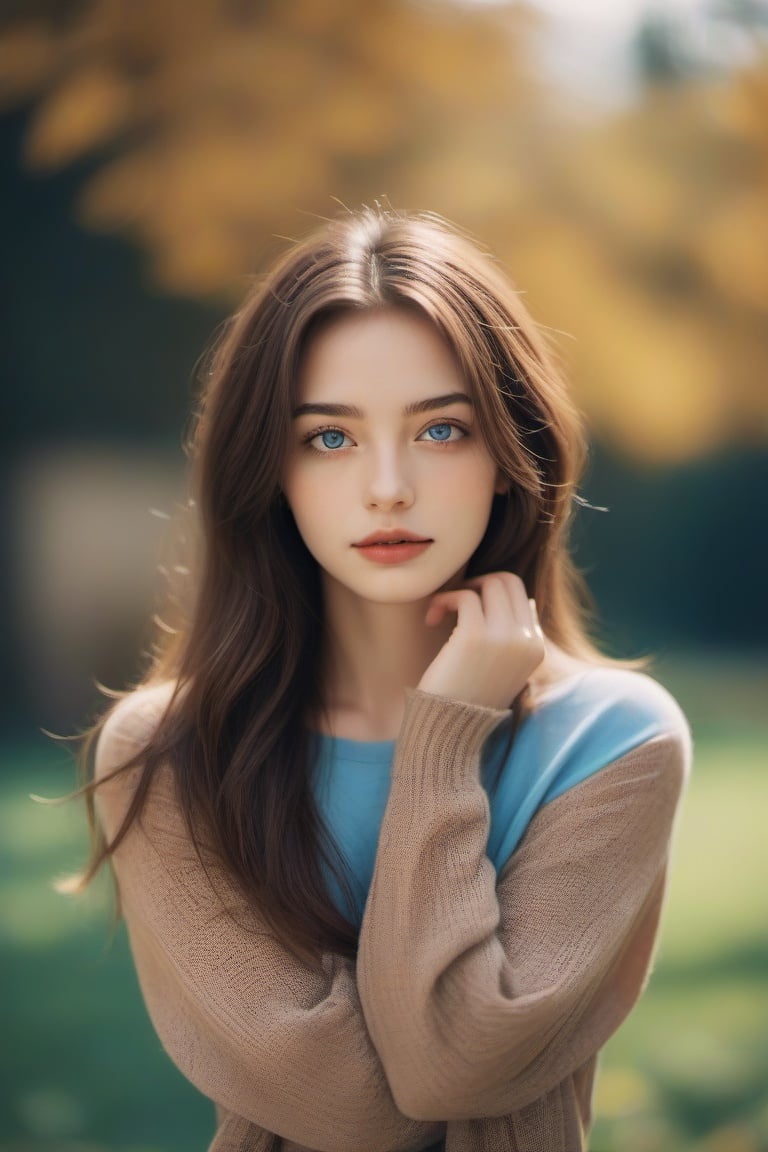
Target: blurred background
{"type": "Point", "coordinates": [614, 156]}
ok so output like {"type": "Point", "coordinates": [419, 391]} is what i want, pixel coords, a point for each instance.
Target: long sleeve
{"type": "Point", "coordinates": [274, 1044]}
{"type": "Point", "coordinates": [485, 995]}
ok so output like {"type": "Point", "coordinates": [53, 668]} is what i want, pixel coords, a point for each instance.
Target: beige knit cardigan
{"type": "Point", "coordinates": [478, 1003]}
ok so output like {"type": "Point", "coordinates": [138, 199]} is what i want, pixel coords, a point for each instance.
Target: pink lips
{"type": "Point", "coordinates": [391, 537]}
{"type": "Point", "coordinates": [392, 547]}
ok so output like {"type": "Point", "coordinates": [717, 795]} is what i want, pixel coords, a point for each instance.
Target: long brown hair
{"type": "Point", "coordinates": [245, 661]}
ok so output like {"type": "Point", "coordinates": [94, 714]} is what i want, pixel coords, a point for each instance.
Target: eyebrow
{"type": "Point", "coordinates": [353, 413]}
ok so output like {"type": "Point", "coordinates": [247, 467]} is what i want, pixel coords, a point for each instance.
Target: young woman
{"type": "Point", "coordinates": [390, 836]}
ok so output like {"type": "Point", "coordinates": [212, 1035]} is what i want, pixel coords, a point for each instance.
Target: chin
{"type": "Point", "coordinates": [393, 588]}
{"type": "Point", "coordinates": [406, 596]}
{"type": "Point", "coordinates": [398, 584]}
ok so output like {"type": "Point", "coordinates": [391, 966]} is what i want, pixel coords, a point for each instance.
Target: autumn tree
{"type": "Point", "coordinates": [215, 127]}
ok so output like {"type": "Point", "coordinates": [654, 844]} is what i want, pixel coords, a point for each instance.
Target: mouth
{"type": "Point", "coordinates": [381, 539]}
{"type": "Point", "coordinates": [398, 550]}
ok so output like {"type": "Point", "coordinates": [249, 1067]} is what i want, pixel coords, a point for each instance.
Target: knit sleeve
{"type": "Point", "coordinates": [271, 1042]}
{"type": "Point", "coordinates": [482, 993]}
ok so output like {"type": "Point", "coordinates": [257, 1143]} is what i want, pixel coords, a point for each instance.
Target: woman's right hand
{"type": "Point", "coordinates": [495, 647]}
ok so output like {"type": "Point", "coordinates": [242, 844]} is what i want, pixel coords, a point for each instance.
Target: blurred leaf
{"type": "Point", "coordinates": [734, 247]}
{"type": "Point", "coordinates": [28, 54]}
{"type": "Point", "coordinates": [83, 112]}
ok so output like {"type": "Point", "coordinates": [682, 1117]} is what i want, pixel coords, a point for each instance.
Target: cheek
{"type": "Point", "coordinates": [468, 480]}
{"type": "Point", "coordinates": [311, 503]}
{"type": "Point", "coordinates": [297, 482]}
{"type": "Point", "coordinates": [465, 497]}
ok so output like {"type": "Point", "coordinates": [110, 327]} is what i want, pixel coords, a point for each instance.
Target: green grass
{"type": "Point", "coordinates": [82, 1071]}
{"type": "Point", "coordinates": [689, 1069]}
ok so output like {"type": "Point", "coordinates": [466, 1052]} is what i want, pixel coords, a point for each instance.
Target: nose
{"type": "Point", "coordinates": [387, 484]}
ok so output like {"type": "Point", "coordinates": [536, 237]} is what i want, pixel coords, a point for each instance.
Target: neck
{"type": "Point", "coordinates": [373, 652]}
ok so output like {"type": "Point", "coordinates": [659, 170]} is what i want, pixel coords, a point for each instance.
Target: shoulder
{"type": "Point", "coordinates": [600, 731]}
{"type": "Point", "coordinates": [633, 696]}
{"type": "Point", "coordinates": [604, 696]}
{"type": "Point", "coordinates": [604, 715]}
{"type": "Point", "coordinates": [128, 728]}
{"type": "Point", "coordinates": [130, 724]}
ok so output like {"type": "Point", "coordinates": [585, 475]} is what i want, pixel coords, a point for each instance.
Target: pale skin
{"type": "Point", "coordinates": [380, 466]}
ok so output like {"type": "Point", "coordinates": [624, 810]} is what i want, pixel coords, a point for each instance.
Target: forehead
{"type": "Point", "coordinates": [377, 354]}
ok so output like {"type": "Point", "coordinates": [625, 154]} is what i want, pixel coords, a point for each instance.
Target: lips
{"type": "Point", "coordinates": [393, 536]}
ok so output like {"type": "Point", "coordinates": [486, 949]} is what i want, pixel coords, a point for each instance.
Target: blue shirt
{"type": "Point", "coordinates": [578, 727]}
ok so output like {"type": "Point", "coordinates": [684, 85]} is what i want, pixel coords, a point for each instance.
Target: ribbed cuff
{"type": "Point", "coordinates": [441, 739]}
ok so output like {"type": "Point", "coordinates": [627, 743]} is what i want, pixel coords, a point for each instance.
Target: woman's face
{"type": "Point", "coordinates": [385, 438]}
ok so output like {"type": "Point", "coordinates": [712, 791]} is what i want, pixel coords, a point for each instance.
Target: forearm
{"type": "Point", "coordinates": [477, 995]}
{"type": "Point", "coordinates": [282, 1046]}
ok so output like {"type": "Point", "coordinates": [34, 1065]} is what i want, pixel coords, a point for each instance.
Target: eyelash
{"type": "Point", "coordinates": [307, 440]}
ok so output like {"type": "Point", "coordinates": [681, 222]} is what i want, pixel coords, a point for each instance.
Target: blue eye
{"type": "Point", "coordinates": [441, 433]}
{"type": "Point", "coordinates": [332, 438]}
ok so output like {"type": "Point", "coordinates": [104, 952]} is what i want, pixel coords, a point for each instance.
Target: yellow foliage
{"type": "Point", "coordinates": [212, 258]}
{"type": "Point", "coordinates": [311, 18]}
{"type": "Point", "coordinates": [467, 186]}
{"type": "Point", "coordinates": [648, 377]}
{"type": "Point", "coordinates": [84, 111]}
{"type": "Point", "coordinates": [734, 247]}
{"type": "Point", "coordinates": [642, 234]}
{"type": "Point", "coordinates": [625, 186]}
{"type": "Point", "coordinates": [355, 118]}
{"type": "Point", "coordinates": [654, 386]}
{"type": "Point", "coordinates": [744, 106]}
{"type": "Point", "coordinates": [123, 193]}
{"type": "Point", "coordinates": [28, 55]}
